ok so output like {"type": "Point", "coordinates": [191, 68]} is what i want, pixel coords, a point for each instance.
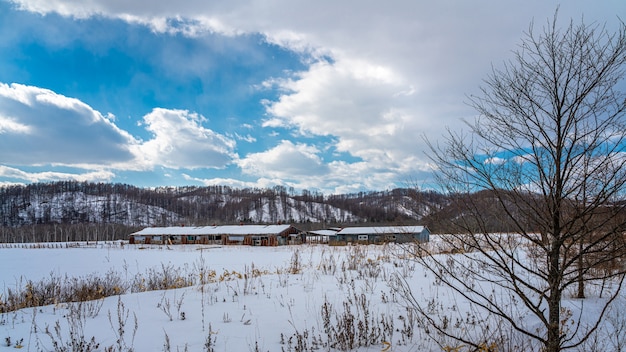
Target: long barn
{"type": "Point", "coordinates": [254, 235]}
{"type": "Point", "coordinates": [382, 234]}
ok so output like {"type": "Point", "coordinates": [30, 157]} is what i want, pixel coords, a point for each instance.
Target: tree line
{"type": "Point", "coordinates": [58, 211]}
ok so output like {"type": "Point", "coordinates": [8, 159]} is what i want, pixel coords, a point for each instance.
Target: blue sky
{"type": "Point", "coordinates": [326, 95]}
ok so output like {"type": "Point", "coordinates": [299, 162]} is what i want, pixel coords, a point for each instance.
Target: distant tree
{"type": "Point", "coordinates": [549, 145]}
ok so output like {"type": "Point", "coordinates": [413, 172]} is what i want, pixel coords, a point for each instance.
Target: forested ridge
{"type": "Point", "coordinates": [81, 202]}
{"type": "Point", "coordinates": [67, 209]}
{"type": "Point", "coordinates": [71, 210]}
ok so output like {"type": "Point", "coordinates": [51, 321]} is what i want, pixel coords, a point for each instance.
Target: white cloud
{"type": "Point", "coordinates": [234, 183]}
{"type": "Point", "coordinates": [495, 161]}
{"type": "Point", "coordinates": [180, 141]}
{"type": "Point", "coordinates": [336, 99]}
{"type": "Point", "coordinates": [46, 128]}
{"type": "Point", "coordinates": [300, 166]}
{"type": "Point", "coordinates": [247, 138]}
{"type": "Point", "coordinates": [77, 9]}
{"type": "Point", "coordinates": [381, 75]}
{"type": "Point", "coordinates": [285, 161]}
{"type": "Point", "coordinates": [367, 108]}
{"type": "Point", "coordinates": [48, 176]}
{"type": "Point", "coordinates": [521, 159]}
{"type": "Point", "coordinates": [11, 125]}
{"type": "Point", "coordinates": [42, 127]}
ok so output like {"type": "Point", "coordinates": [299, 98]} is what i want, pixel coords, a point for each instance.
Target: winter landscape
{"type": "Point", "coordinates": [479, 146]}
{"type": "Point", "coordinates": [242, 298]}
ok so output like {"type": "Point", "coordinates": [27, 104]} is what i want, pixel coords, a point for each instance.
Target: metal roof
{"type": "Point", "coordinates": [328, 232]}
{"type": "Point", "coordinates": [381, 230]}
{"type": "Point", "coordinates": [215, 230]}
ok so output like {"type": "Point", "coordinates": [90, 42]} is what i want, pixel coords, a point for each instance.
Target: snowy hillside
{"type": "Point", "coordinates": [78, 207]}
{"type": "Point", "coordinates": [73, 202]}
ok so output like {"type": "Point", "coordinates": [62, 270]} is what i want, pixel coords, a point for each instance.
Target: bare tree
{"type": "Point", "coordinates": [548, 149]}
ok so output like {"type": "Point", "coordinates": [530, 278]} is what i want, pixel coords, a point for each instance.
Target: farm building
{"type": "Point", "coordinates": [254, 235]}
{"type": "Point", "coordinates": [321, 236]}
{"type": "Point", "coordinates": [381, 234]}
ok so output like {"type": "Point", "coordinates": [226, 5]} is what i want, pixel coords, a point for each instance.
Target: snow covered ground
{"type": "Point", "coordinates": [244, 298]}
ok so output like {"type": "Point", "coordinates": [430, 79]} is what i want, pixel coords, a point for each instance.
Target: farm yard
{"type": "Point", "coordinates": [241, 298]}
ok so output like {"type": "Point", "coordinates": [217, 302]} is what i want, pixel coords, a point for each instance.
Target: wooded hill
{"type": "Point", "coordinates": [68, 210]}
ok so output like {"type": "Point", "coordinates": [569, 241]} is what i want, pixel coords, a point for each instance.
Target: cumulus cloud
{"type": "Point", "coordinates": [285, 161]}
{"type": "Point", "coordinates": [495, 161]}
{"type": "Point", "coordinates": [93, 176]}
{"type": "Point", "coordinates": [380, 76]}
{"type": "Point", "coordinates": [39, 126]}
{"type": "Point", "coordinates": [366, 107]}
{"type": "Point", "coordinates": [12, 125]}
{"type": "Point", "coordinates": [180, 141]}
{"type": "Point", "coordinates": [340, 98]}
{"type": "Point", "coordinates": [300, 166]}
{"type": "Point", "coordinates": [234, 183]}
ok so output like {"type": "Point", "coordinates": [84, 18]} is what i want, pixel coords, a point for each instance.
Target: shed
{"type": "Point", "coordinates": [257, 235]}
{"type": "Point", "coordinates": [175, 235]}
{"type": "Point", "coordinates": [320, 236]}
{"type": "Point", "coordinates": [382, 234]}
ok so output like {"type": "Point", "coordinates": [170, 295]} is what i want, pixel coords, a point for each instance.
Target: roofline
{"type": "Point", "coordinates": [214, 230]}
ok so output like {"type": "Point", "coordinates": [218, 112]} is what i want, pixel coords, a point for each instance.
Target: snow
{"type": "Point", "coordinates": [258, 298]}
{"type": "Point", "coordinates": [215, 230]}
{"type": "Point", "coordinates": [324, 232]}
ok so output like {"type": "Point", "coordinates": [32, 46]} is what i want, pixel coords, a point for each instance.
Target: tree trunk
{"type": "Point", "coordinates": [553, 344]}
{"type": "Point", "coordinates": [581, 281]}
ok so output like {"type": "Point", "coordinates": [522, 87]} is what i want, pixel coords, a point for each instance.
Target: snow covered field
{"type": "Point", "coordinates": [244, 298]}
